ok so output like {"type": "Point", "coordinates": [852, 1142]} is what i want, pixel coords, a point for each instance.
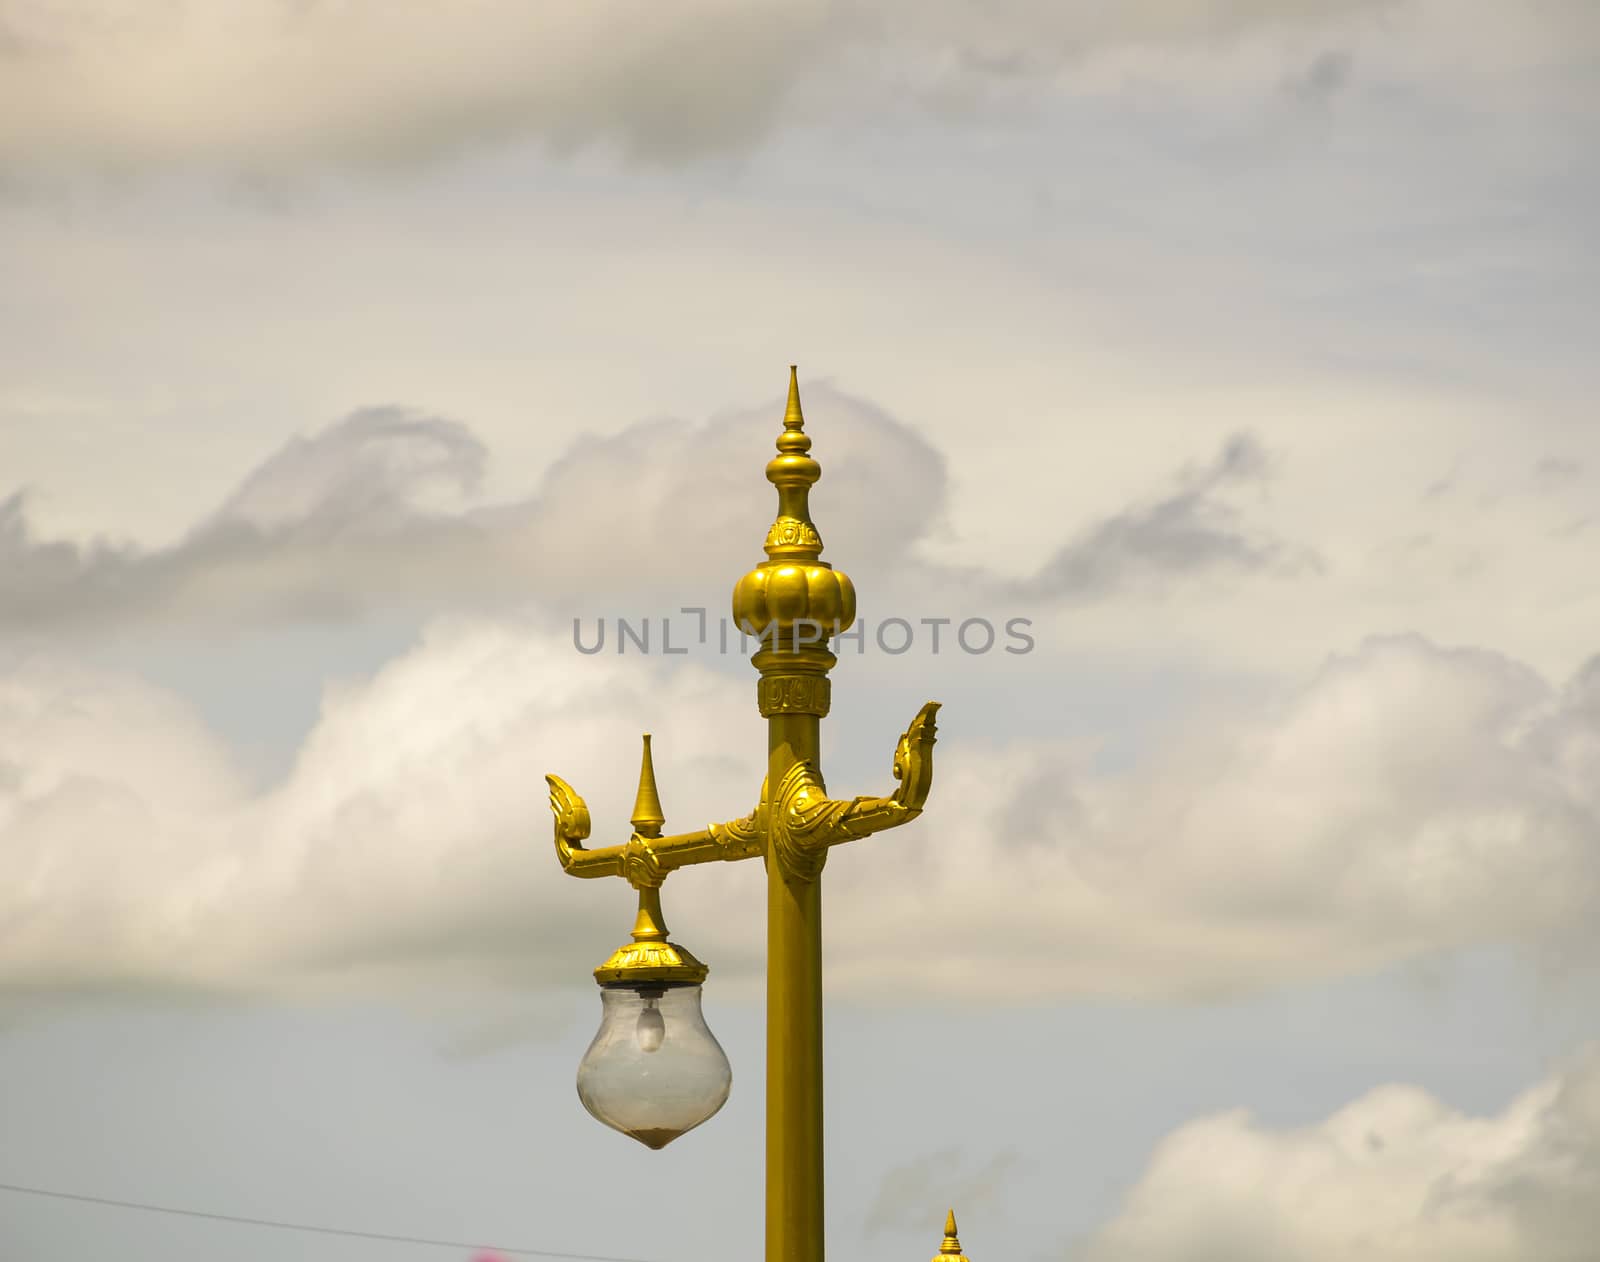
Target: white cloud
{"type": "Point", "coordinates": [411, 839]}
{"type": "Point", "coordinates": [1407, 800]}
{"type": "Point", "coordinates": [373, 470]}
{"type": "Point", "coordinates": [1396, 1176]}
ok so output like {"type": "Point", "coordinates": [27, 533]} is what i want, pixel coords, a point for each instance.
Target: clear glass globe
{"type": "Point", "coordinates": [654, 1070]}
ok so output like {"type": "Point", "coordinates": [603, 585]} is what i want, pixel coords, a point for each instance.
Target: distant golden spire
{"type": "Point", "coordinates": [950, 1250]}
{"type": "Point", "coordinates": [647, 817]}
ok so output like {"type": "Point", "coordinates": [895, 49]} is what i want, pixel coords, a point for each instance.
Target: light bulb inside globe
{"type": "Point", "coordinates": [654, 1069]}
{"type": "Point", "coordinates": [652, 1027]}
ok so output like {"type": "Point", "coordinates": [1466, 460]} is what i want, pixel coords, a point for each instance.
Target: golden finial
{"type": "Point", "coordinates": [794, 594]}
{"type": "Point", "coordinates": [793, 418]}
{"type": "Point", "coordinates": [951, 1248]}
{"type": "Point", "coordinates": [647, 817]}
{"type": "Point", "coordinates": [649, 958]}
{"type": "Point", "coordinates": [794, 473]}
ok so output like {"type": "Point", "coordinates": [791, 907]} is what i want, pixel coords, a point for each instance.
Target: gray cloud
{"type": "Point", "coordinates": [915, 1195]}
{"type": "Point", "coordinates": [1440, 488]}
{"type": "Point", "coordinates": [1192, 531]}
{"type": "Point", "coordinates": [356, 496]}
{"type": "Point", "coordinates": [1322, 79]}
{"type": "Point", "coordinates": [277, 85]}
{"type": "Point", "coordinates": [1557, 469]}
{"type": "Point", "coordinates": [379, 512]}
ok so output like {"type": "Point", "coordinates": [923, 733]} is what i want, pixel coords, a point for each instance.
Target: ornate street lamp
{"type": "Point", "coordinates": [634, 1078]}
{"type": "Point", "coordinates": [654, 1070]}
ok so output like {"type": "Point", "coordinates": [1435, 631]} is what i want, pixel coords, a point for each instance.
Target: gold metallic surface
{"type": "Point", "coordinates": [794, 1013]}
{"type": "Point", "coordinates": [794, 598]}
{"type": "Point", "coordinates": [649, 957]}
{"type": "Point", "coordinates": [793, 602]}
{"type": "Point", "coordinates": [950, 1250]}
{"type": "Point", "coordinates": [647, 817]}
{"type": "Point", "coordinates": [638, 963]}
{"type": "Point", "coordinates": [644, 859]}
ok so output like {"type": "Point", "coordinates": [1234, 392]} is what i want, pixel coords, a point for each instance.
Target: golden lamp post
{"type": "Point", "coordinates": [654, 1069]}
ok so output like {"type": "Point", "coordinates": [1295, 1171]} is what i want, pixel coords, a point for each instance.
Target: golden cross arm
{"type": "Point", "coordinates": [801, 828]}
{"type": "Point", "coordinates": [642, 859]}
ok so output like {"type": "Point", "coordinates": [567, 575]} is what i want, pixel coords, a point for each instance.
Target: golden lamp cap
{"type": "Point", "coordinates": [650, 959]}
{"type": "Point", "coordinates": [636, 964]}
{"type": "Point", "coordinates": [950, 1250]}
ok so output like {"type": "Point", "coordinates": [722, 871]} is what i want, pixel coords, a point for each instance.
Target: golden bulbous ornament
{"type": "Point", "coordinates": [793, 592]}
{"type": "Point", "coordinates": [781, 596]}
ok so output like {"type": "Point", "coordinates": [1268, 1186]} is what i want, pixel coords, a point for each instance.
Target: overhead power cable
{"type": "Point", "coordinates": [283, 1225]}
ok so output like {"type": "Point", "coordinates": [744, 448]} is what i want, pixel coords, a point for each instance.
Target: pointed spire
{"type": "Point", "coordinates": [794, 442]}
{"type": "Point", "coordinates": [793, 418]}
{"type": "Point", "coordinates": [647, 817]}
{"type": "Point", "coordinates": [793, 536]}
{"type": "Point", "coordinates": [950, 1250]}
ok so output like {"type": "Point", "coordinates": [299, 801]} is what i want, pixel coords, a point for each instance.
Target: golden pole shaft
{"type": "Point", "coordinates": [794, 1030]}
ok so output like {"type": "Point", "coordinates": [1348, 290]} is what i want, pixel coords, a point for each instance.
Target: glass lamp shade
{"type": "Point", "coordinates": [654, 1069]}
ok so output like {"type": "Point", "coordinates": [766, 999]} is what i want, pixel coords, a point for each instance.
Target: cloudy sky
{"type": "Point", "coordinates": [350, 351]}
